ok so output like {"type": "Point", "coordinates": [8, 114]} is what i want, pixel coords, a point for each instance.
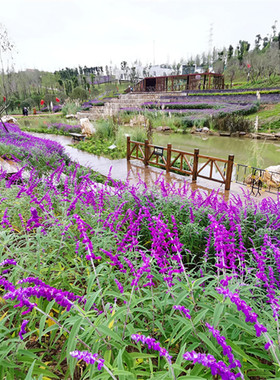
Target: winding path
{"type": "Point", "coordinates": [135, 170]}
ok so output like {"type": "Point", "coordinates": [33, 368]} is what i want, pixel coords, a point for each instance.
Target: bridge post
{"type": "Point", "coordinates": [128, 148]}
{"type": "Point", "coordinates": [195, 164]}
{"type": "Point", "coordinates": [229, 171]}
{"type": "Point", "coordinates": [146, 152]}
{"type": "Point", "coordinates": [168, 158]}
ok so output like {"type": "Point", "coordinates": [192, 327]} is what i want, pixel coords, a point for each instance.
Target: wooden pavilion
{"type": "Point", "coordinates": [203, 81]}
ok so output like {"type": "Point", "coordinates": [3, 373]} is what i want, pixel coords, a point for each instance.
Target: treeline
{"type": "Point", "coordinates": [28, 88]}
{"type": "Point", "coordinates": [251, 64]}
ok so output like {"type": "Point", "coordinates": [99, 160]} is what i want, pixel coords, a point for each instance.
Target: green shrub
{"type": "Point", "coordinates": [232, 123]}
{"type": "Point", "coordinates": [79, 93]}
{"type": "Point", "coordinates": [70, 108]}
{"type": "Point", "coordinates": [105, 129]}
{"type": "Point", "coordinates": [139, 134]}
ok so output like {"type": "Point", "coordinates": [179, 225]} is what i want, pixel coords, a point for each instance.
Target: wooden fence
{"type": "Point", "coordinates": [192, 164]}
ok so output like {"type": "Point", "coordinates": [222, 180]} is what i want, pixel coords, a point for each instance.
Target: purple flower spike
{"type": "Point", "coordinates": [88, 358]}
{"type": "Point", "coordinates": [152, 344]}
{"type": "Point", "coordinates": [260, 329]}
{"type": "Point", "coordinates": [8, 262]}
{"type": "Point", "coordinates": [217, 368]}
{"type": "Point", "coordinates": [183, 310]}
{"type": "Point", "coordinates": [22, 328]}
{"type": "Point", "coordinates": [119, 285]}
{"type": "Point", "coordinates": [268, 344]}
{"type": "Point", "coordinates": [227, 350]}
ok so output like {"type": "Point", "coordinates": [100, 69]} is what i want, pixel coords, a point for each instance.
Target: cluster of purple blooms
{"type": "Point", "coordinates": [217, 368]}
{"type": "Point", "coordinates": [126, 255]}
{"type": "Point", "coordinates": [227, 350]}
{"type": "Point", "coordinates": [26, 144]}
{"type": "Point", "coordinates": [88, 358]}
{"type": "Point", "coordinates": [23, 294]}
{"type": "Point", "coordinates": [66, 128]}
{"type": "Point", "coordinates": [152, 344]}
{"type": "Point", "coordinates": [250, 316]}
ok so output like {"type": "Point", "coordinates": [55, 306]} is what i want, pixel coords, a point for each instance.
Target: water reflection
{"type": "Point", "coordinates": [259, 153]}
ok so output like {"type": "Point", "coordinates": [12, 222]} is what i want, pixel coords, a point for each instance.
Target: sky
{"type": "Point", "coordinates": [53, 34]}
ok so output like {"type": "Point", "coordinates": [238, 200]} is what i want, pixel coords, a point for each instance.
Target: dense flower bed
{"type": "Point", "coordinates": [91, 103]}
{"type": "Point", "coordinates": [196, 110]}
{"type": "Point", "coordinates": [136, 283]}
{"type": "Point", "coordinates": [64, 128]}
{"type": "Point", "coordinates": [31, 150]}
{"type": "Point", "coordinates": [55, 108]}
{"type": "Point", "coordinates": [236, 98]}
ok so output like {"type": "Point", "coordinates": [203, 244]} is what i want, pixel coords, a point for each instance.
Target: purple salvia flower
{"type": "Point", "coordinates": [152, 344]}
{"type": "Point", "coordinates": [259, 329]}
{"type": "Point", "coordinates": [268, 344]}
{"type": "Point", "coordinates": [7, 285]}
{"type": "Point", "coordinates": [217, 368]}
{"type": "Point", "coordinates": [88, 358]}
{"type": "Point", "coordinates": [227, 350]}
{"type": "Point", "coordinates": [185, 311]}
{"type": "Point", "coordinates": [8, 262]}
{"type": "Point", "coordinates": [119, 285]}
{"type": "Point", "coordinates": [22, 328]}
{"type": "Point", "coordinates": [246, 310]}
{"type": "Point", "coordinates": [241, 304]}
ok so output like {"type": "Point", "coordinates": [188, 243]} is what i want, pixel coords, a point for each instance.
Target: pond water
{"type": "Point", "coordinates": [257, 153]}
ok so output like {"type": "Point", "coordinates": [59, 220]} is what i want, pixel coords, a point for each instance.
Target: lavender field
{"type": "Point", "coordinates": [197, 107]}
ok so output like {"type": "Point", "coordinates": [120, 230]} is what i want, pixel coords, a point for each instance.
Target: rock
{"type": "Point", "coordinates": [138, 120]}
{"type": "Point", "coordinates": [113, 146]}
{"type": "Point", "coordinates": [205, 130]}
{"type": "Point", "coordinates": [87, 127]}
{"type": "Point", "coordinates": [272, 176]}
{"type": "Point", "coordinates": [9, 166]}
{"type": "Point", "coordinates": [9, 119]}
{"type": "Point", "coordinates": [164, 128]}
{"type": "Point", "coordinates": [71, 116]}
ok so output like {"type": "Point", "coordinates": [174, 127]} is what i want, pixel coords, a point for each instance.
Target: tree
{"type": "Point", "coordinates": [197, 60]}
{"type": "Point", "coordinates": [242, 49]}
{"type": "Point", "coordinates": [232, 69]}
{"type": "Point", "coordinates": [79, 93]}
{"type": "Point", "coordinates": [230, 52]}
{"type": "Point", "coordinates": [133, 75]}
{"type": "Point", "coordinates": [258, 42]}
{"type": "Point", "coordinates": [124, 68]}
{"type": "Point", "coordinates": [6, 47]}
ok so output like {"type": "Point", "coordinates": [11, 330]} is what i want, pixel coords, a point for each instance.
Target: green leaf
{"type": "Point", "coordinates": [140, 355]}
{"type": "Point", "coordinates": [208, 342]}
{"type": "Point", "coordinates": [236, 349]}
{"type": "Point", "coordinates": [71, 344]}
{"type": "Point", "coordinates": [199, 317]}
{"type": "Point", "coordinates": [108, 332]}
{"type": "Point", "coordinates": [240, 323]}
{"type": "Point", "coordinates": [219, 308]}
{"type": "Point", "coordinates": [29, 373]}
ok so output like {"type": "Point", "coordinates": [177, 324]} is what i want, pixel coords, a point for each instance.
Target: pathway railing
{"type": "Point", "coordinates": [257, 179]}
{"type": "Point", "coordinates": [192, 164]}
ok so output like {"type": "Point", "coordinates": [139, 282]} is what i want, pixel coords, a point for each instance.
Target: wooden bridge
{"type": "Point", "coordinates": [186, 163]}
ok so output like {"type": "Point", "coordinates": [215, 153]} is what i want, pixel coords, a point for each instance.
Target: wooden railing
{"type": "Point", "coordinates": [192, 164]}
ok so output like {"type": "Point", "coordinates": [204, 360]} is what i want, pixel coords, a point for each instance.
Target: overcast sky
{"type": "Point", "coordinates": [53, 34]}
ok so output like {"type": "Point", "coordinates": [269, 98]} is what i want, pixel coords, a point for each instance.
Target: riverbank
{"type": "Point", "coordinates": [135, 172]}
